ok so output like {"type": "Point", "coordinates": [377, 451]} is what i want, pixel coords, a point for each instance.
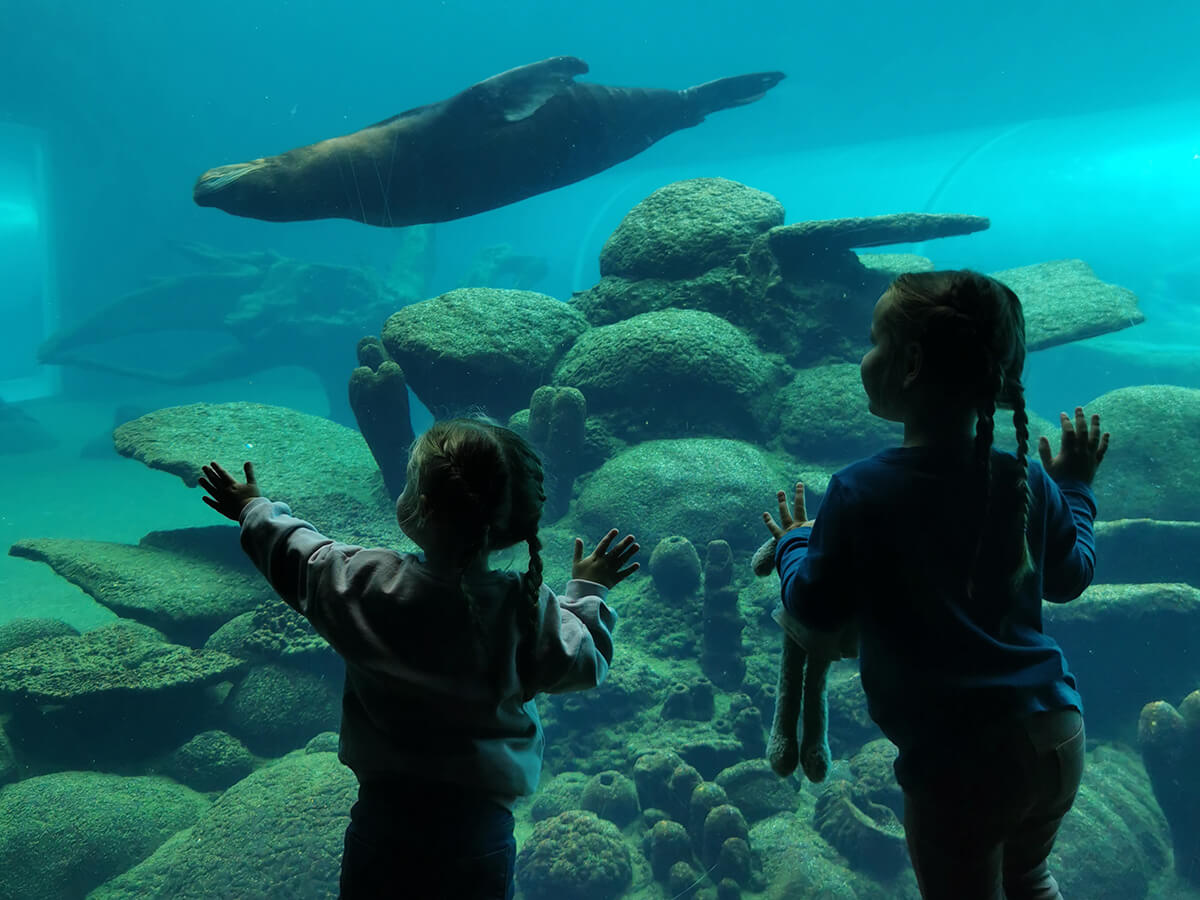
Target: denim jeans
{"type": "Point", "coordinates": [982, 827]}
{"type": "Point", "coordinates": [427, 842]}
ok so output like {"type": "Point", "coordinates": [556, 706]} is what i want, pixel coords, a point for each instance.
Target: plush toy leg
{"type": "Point", "coordinates": [814, 736]}
{"type": "Point", "coordinates": [783, 749]}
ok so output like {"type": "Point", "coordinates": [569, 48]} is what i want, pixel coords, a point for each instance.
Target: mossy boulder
{"type": "Point", "coordinates": [284, 825]}
{"type": "Point", "coordinates": [574, 854]}
{"type": "Point", "coordinates": [63, 834]}
{"type": "Point", "coordinates": [210, 761]}
{"type": "Point", "coordinates": [688, 227]}
{"type": "Point", "coordinates": [481, 347]}
{"type": "Point", "coordinates": [821, 414]}
{"type": "Point", "coordinates": [277, 708]}
{"type": "Point", "coordinates": [113, 694]}
{"type": "Point", "coordinates": [1156, 432]}
{"type": "Point", "coordinates": [662, 488]}
{"type": "Point", "coordinates": [19, 632]}
{"type": "Point", "coordinates": [671, 373]}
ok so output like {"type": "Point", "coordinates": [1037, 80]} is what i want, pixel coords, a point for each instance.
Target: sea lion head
{"type": "Point", "coordinates": [242, 189]}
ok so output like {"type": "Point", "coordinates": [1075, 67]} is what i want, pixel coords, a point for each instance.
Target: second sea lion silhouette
{"type": "Point", "coordinates": [523, 132]}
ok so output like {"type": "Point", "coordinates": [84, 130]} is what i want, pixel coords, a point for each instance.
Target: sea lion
{"type": "Point", "coordinates": [523, 132]}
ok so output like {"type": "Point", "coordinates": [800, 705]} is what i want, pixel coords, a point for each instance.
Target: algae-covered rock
{"type": "Point", "coordinates": [822, 415]}
{"type": "Point", "coordinates": [323, 470]}
{"type": "Point", "coordinates": [274, 632]}
{"type": "Point", "coordinates": [210, 761]}
{"type": "Point", "coordinates": [1114, 841]}
{"type": "Point", "coordinates": [756, 790]}
{"type": "Point", "coordinates": [1064, 301]}
{"type": "Point", "coordinates": [1137, 640]}
{"type": "Point", "coordinates": [63, 834]}
{"type": "Point", "coordinates": [1139, 551]}
{"type": "Point", "coordinates": [481, 347]}
{"type": "Point", "coordinates": [574, 854]}
{"type": "Point", "coordinates": [277, 833]}
{"type": "Point", "coordinates": [631, 487]}
{"type": "Point", "coordinates": [184, 597]}
{"type": "Point", "coordinates": [672, 372]}
{"type": "Point", "coordinates": [688, 227]}
{"type": "Point", "coordinates": [1156, 430]}
{"type": "Point", "coordinates": [19, 632]}
{"type": "Point", "coordinates": [277, 708]}
{"type": "Point", "coordinates": [109, 662]}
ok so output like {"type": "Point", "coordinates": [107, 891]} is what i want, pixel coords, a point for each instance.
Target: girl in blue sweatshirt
{"type": "Point", "coordinates": [941, 551]}
{"type": "Point", "coordinates": [443, 655]}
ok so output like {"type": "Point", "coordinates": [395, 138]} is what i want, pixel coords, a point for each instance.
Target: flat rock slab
{"type": "Point", "coordinates": [184, 597]}
{"type": "Point", "coordinates": [323, 470]}
{"type": "Point", "coordinates": [1135, 551]}
{"type": "Point", "coordinates": [1064, 301]}
{"type": "Point", "coordinates": [1128, 644]}
{"type": "Point", "coordinates": [113, 660]}
{"type": "Point", "coordinates": [821, 235]}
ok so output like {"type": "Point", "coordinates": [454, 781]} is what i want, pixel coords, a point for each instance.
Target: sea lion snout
{"type": "Point", "coordinates": [212, 185]}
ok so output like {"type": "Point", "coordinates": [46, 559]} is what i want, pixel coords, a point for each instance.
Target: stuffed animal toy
{"type": "Point", "coordinates": [800, 730]}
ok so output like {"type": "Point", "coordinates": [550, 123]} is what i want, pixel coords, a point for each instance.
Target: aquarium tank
{"type": "Point", "coordinates": [645, 245]}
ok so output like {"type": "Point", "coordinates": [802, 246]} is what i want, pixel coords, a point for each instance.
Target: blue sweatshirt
{"type": "Point", "coordinates": [892, 547]}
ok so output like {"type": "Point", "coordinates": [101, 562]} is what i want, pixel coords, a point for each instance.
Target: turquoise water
{"type": "Point", "coordinates": [1076, 132]}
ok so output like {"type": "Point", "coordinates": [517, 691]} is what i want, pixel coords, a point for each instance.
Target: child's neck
{"type": "Point", "coordinates": [939, 429]}
{"type": "Point", "coordinates": [449, 563]}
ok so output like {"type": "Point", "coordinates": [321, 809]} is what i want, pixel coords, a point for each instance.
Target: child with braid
{"type": "Point", "coordinates": [443, 655]}
{"type": "Point", "coordinates": [940, 552]}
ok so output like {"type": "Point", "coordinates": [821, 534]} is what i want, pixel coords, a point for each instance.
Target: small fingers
{"type": "Point", "coordinates": [1044, 452]}
{"type": "Point", "coordinates": [602, 547]}
{"type": "Point", "coordinates": [798, 502]}
{"type": "Point", "coordinates": [1102, 448]}
{"type": "Point", "coordinates": [775, 530]}
{"type": "Point", "coordinates": [578, 557]}
{"type": "Point", "coordinates": [785, 514]}
{"type": "Point", "coordinates": [218, 472]}
{"type": "Point", "coordinates": [248, 468]}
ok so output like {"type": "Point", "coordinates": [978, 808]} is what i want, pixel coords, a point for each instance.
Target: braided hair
{"type": "Point", "coordinates": [971, 330]}
{"type": "Point", "coordinates": [487, 483]}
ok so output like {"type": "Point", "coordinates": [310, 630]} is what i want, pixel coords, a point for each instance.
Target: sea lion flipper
{"type": "Point", "coordinates": [519, 93]}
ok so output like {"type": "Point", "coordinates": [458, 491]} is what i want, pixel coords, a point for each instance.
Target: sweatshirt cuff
{"type": "Point", "coordinates": [796, 537]}
{"type": "Point", "coordinates": [577, 588]}
{"type": "Point", "coordinates": [257, 501]}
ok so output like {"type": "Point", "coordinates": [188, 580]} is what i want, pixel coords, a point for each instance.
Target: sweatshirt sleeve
{"type": "Point", "coordinates": [574, 642]}
{"type": "Point", "coordinates": [816, 564]}
{"type": "Point", "coordinates": [1070, 554]}
{"type": "Point", "coordinates": [322, 579]}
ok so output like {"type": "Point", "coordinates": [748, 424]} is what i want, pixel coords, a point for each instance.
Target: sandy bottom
{"type": "Point", "coordinates": [63, 493]}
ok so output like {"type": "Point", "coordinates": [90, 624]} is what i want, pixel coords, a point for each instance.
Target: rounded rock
{"type": "Point", "coordinates": [686, 228]}
{"type": "Point", "coordinates": [611, 796]}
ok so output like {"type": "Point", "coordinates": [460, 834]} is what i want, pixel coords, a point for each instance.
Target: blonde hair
{"type": "Point", "coordinates": [486, 482]}
{"type": "Point", "coordinates": [971, 331]}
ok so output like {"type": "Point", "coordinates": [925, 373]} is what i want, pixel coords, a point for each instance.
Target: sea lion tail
{"type": "Point", "coordinates": [735, 91]}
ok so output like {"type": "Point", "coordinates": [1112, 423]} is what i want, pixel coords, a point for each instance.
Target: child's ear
{"type": "Point", "coordinates": [913, 358]}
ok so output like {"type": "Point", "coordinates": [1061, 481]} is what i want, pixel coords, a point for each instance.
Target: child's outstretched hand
{"type": "Point", "coordinates": [227, 495]}
{"type": "Point", "coordinates": [1081, 449]}
{"type": "Point", "coordinates": [604, 565]}
{"type": "Point", "coordinates": [787, 518]}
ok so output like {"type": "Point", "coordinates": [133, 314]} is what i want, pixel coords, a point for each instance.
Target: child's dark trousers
{"type": "Point", "coordinates": [413, 841]}
{"type": "Point", "coordinates": [982, 827]}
